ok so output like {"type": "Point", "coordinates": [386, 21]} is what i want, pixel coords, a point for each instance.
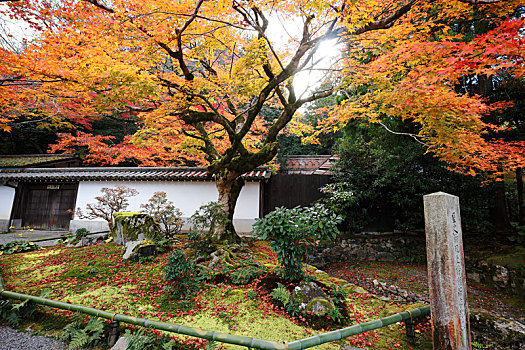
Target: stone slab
{"type": "Point", "coordinates": [446, 272]}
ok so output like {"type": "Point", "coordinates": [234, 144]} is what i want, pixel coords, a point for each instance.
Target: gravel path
{"type": "Point", "coordinates": [10, 339]}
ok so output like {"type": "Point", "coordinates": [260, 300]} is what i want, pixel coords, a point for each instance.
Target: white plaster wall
{"type": "Point", "coordinates": [7, 197]}
{"type": "Point", "coordinates": [187, 196]}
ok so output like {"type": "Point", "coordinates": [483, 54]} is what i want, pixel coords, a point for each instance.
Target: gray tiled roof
{"type": "Point", "coordinates": [124, 174]}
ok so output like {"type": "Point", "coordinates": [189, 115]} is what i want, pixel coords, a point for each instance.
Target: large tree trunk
{"type": "Point", "coordinates": [521, 205]}
{"type": "Point", "coordinates": [229, 186]}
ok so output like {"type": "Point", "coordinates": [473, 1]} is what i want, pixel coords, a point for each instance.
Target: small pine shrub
{"type": "Point", "coordinates": [207, 217]}
{"type": "Point", "coordinates": [200, 243]}
{"type": "Point", "coordinates": [182, 274]}
{"type": "Point", "coordinates": [242, 275]}
{"type": "Point", "coordinates": [81, 233]}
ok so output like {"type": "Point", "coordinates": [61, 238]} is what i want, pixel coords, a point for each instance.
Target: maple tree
{"type": "Point", "coordinates": [113, 200]}
{"type": "Point", "coordinates": [195, 75]}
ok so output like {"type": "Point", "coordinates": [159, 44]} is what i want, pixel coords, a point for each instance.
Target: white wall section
{"type": "Point", "coordinates": [7, 194]}
{"type": "Point", "coordinates": [187, 196]}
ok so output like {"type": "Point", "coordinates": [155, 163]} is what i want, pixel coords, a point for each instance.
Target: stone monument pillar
{"type": "Point", "coordinates": [446, 273]}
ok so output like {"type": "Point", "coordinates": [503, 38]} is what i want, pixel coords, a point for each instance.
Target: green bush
{"type": "Point", "coordinates": [182, 274]}
{"type": "Point", "coordinates": [252, 294]}
{"type": "Point", "coordinates": [385, 176]}
{"type": "Point", "coordinates": [200, 243]}
{"type": "Point", "coordinates": [292, 233]}
{"type": "Point", "coordinates": [164, 244]}
{"type": "Point", "coordinates": [81, 233]}
{"type": "Point", "coordinates": [17, 247]}
{"type": "Point", "coordinates": [207, 217]}
{"type": "Point", "coordinates": [245, 274]}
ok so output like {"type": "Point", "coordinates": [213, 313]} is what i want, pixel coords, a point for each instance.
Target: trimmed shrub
{"type": "Point", "coordinates": [292, 232]}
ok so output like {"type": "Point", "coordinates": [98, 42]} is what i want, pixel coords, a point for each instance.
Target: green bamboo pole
{"type": "Point", "coordinates": [357, 329]}
{"type": "Point", "coordinates": [169, 327]}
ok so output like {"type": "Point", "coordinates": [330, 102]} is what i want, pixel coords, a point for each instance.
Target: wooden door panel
{"type": "Point", "coordinates": [46, 206]}
{"type": "Point", "coordinates": [36, 209]}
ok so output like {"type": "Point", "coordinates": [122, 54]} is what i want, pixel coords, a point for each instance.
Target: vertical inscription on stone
{"type": "Point", "coordinates": [446, 272]}
{"type": "Point", "coordinates": [459, 268]}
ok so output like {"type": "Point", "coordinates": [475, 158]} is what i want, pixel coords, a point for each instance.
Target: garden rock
{"type": "Point", "coordinates": [499, 333]}
{"type": "Point", "coordinates": [85, 241]}
{"type": "Point", "coordinates": [130, 226]}
{"type": "Point", "coordinates": [501, 276]}
{"type": "Point", "coordinates": [474, 276]}
{"type": "Point", "coordinates": [312, 298]}
{"type": "Point", "coordinates": [130, 247]}
{"type": "Point", "coordinates": [121, 344]}
{"type": "Point", "coordinates": [137, 249]}
{"type": "Point", "coordinates": [82, 242]}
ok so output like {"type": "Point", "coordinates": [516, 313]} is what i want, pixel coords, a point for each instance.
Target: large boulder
{"type": "Point", "coordinates": [312, 298]}
{"type": "Point", "coordinates": [131, 226]}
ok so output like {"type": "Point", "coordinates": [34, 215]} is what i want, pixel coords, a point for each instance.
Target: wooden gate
{"type": "Point", "coordinates": [291, 190]}
{"type": "Point", "coordinates": [47, 206]}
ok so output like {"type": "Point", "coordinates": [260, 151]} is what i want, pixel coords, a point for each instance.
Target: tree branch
{"type": "Point", "coordinates": [387, 22]}
{"type": "Point", "coordinates": [414, 136]}
{"type": "Point", "coordinates": [101, 5]}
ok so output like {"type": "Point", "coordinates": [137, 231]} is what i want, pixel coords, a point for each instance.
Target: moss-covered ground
{"type": "Point", "coordinates": [96, 276]}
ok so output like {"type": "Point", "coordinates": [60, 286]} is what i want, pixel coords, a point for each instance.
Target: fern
{"type": "Point", "coordinates": [14, 312]}
{"type": "Point", "coordinates": [95, 325]}
{"type": "Point", "coordinates": [79, 340]}
{"type": "Point", "coordinates": [210, 345]}
{"type": "Point", "coordinates": [7, 313]}
{"type": "Point", "coordinates": [281, 294]}
{"type": "Point", "coordinates": [169, 345]}
{"type": "Point", "coordinates": [11, 317]}
{"type": "Point", "coordinates": [81, 334]}
{"type": "Point", "coordinates": [139, 341]}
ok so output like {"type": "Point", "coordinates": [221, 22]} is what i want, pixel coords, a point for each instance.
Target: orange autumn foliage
{"type": "Point", "coordinates": [161, 60]}
{"type": "Point", "coordinates": [198, 74]}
